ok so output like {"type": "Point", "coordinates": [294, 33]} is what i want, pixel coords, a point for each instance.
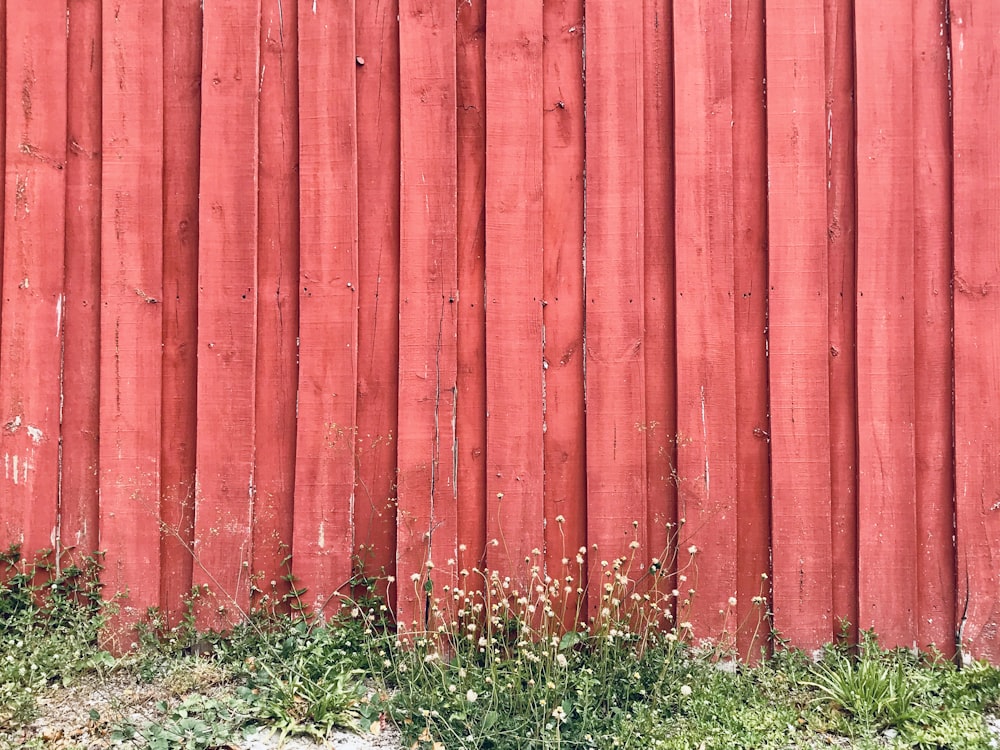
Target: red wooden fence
{"type": "Point", "coordinates": [378, 284]}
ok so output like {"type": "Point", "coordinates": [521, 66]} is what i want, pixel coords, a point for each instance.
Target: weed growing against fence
{"type": "Point", "coordinates": [50, 617]}
{"type": "Point", "coordinates": [524, 660]}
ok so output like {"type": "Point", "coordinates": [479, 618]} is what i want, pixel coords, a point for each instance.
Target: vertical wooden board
{"type": "Point", "coordinates": [78, 488]}
{"type": "Point", "coordinates": [658, 279]}
{"type": "Point", "coordinates": [885, 323]}
{"type": "Point", "coordinates": [277, 300]}
{"type": "Point", "coordinates": [378, 286]}
{"type": "Point", "coordinates": [3, 158]}
{"type": "Point", "coordinates": [182, 48]}
{"type": "Point", "coordinates": [976, 107]}
{"type": "Point", "coordinates": [706, 366]}
{"type": "Point", "coordinates": [227, 311]}
{"type": "Point", "coordinates": [562, 288]}
{"type": "Point", "coordinates": [34, 236]}
{"type": "Point", "coordinates": [750, 319]}
{"type": "Point", "coordinates": [470, 423]}
{"type": "Point", "coordinates": [798, 327]}
{"type": "Point", "coordinates": [933, 320]}
{"type": "Point", "coordinates": [615, 387]}
{"type": "Point", "coordinates": [328, 303]}
{"type": "Point", "coordinates": [841, 221]}
{"type": "Point", "coordinates": [131, 305]}
{"type": "Point", "coordinates": [427, 450]}
{"type": "Point", "coordinates": [514, 461]}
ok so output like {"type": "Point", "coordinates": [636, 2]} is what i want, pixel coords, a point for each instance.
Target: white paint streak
{"type": "Point", "coordinates": [15, 469]}
{"type": "Point", "coordinates": [59, 304]}
{"type": "Point", "coordinates": [321, 541]}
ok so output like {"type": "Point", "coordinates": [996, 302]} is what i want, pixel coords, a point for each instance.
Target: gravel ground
{"type": "Point", "coordinates": [65, 719]}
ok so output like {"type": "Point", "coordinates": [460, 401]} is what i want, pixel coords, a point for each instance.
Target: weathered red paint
{"type": "Point", "coordinates": [276, 374]}
{"type": "Point", "coordinates": [976, 107]}
{"type": "Point", "coordinates": [514, 335]}
{"type": "Point", "coordinates": [182, 31]}
{"type": "Point", "coordinates": [798, 326]}
{"type": "Point", "coordinates": [131, 306]}
{"type": "Point", "coordinates": [328, 304]}
{"type": "Point", "coordinates": [79, 482]}
{"type": "Point", "coordinates": [750, 206]}
{"type": "Point", "coordinates": [255, 243]}
{"type": "Point", "coordinates": [227, 311]}
{"type": "Point", "coordinates": [33, 241]}
{"type": "Point", "coordinates": [885, 321]}
{"type": "Point", "coordinates": [614, 295]}
{"type": "Point", "coordinates": [706, 356]}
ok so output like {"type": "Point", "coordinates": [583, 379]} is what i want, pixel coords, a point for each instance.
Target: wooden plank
{"type": "Point", "coordinates": [182, 33]}
{"type": "Point", "coordinates": [841, 213]}
{"type": "Point", "coordinates": [34, 235]}
{"type": "Point", "coordinates": [131, 307]}
{"type": "Point", "coordinates": [976, 107]}
{"type": "Point", "coordinates": [615, 377]}
{"type": "Point", "coordinates": [706, 376]}
{"type": "Point", "coordinates": [3, 167]}
{"type": "Point", "coordinates": [565, 488]}
{"type": "Point", "coordinates": [798, 323]}
{"type": "Point", "coordinates": [514, 461]}
{"type": "Point", "coordinates": [428, 494]}
{"type": "Point", "coordinates": [328, 303]}
{"type": "Point", "coordinates": [78, 489]}
{"type": "Point", "coordinates": [932, 337]}
{"type": "Point", "coordinates": [885, 321]}
{"type": "Point", "coordinates": [750, 319]}
{"type": "Point", "coordinates": [378, 281]}
{"type": "Point", "coordinates": [277, 301]}
{"type": "Point", "coordinates": [470, 422]}
{"type": "Point", "coordinates": [227, 311]}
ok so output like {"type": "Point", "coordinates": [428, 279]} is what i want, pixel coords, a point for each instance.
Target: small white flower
{"type": "Point", "coordinates": [693, 549]}
{"type": "Point", "coordinates": [471, 696]}
{"type": "Point", "coordinates": [732, 601]}
{"type": "Point", "coordinates": [561, 660]}
{"type": "Point", "coordinates": [685, 690]}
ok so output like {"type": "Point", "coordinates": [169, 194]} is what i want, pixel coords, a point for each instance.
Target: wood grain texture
{"type": "Point", "coordinates": [562, 289]}
{"type": "Point", "coordinates": [31, 331]}
{"type": "Point", "coordinates": [750, 264]}
{"type": "Point", "coordinates": [131, 307]}
{"type": "Point", "coordinates": [378, 280]}
{"type": "Point", "coordinates": [706, 360]}
{"type": "Point", "coordinates": [615, 372]}
{"type": "Point", "coordinates": [227, 311]}
{"type": "Point", "coordinates": [328, 303]}
{"type": "Point", "coordinates": [470, 426]}
{"type": "Point", "coordinates": [276, 374]}
{"type": "Point", "coordinates": [79, 482]}
{"type": "Point", "coordinates": [798, 309]}
{"type": "Point", "coordinates": [885, 322]}
{"type": "Point", "coordinates": [976, 107]}
{"type": "Point", "coordinates": [428, 309]}
{"type": "Point", "coordinates": [182, 48]}
{"type": "Point", "coordinates": [841, 212]}
{"type": "Point", "coordinates": [932, 273]}
{"type": "Point", "coordinates": [514, 405]}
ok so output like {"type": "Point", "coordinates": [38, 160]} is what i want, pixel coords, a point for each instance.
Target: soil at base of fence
{"type": "Point", "coordinates": [83, 716]}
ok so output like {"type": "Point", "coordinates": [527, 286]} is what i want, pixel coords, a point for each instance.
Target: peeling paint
{"type": "Point", "coordinates": [35, 434]}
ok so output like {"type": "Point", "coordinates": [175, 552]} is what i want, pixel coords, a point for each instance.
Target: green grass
{"type": "Point", "coordinates": [494, 668]}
